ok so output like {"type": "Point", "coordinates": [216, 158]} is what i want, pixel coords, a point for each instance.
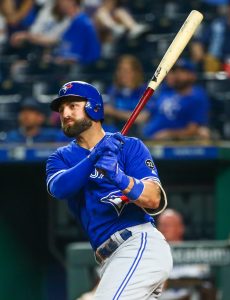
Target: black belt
{"type": "Point", "coordinates": [110, 245]}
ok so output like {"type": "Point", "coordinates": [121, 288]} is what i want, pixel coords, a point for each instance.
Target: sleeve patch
{"type": "Point", "coordinates": [150, 164]}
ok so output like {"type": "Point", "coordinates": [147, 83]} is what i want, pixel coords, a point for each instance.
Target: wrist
{"type": "Point", "coordinates": [136, 190]}
{"type": "Point", "coordinates": [129, 187]}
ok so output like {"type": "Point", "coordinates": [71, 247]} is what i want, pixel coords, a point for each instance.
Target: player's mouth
{"type": "Point", "coordinates": [68, 122]}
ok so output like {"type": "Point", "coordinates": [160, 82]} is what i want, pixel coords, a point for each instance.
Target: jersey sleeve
{"type": "Point", "coordinates": [54, 166]}
{"type": "Point", "coordinates": [64, 181]}
{"type": "Point", "coordinates": [139, 164]}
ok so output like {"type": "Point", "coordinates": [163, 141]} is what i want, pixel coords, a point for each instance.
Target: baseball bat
{"type": "Point", "coordinates": [175, 49]}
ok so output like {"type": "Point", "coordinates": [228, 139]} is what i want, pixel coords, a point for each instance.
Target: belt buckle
{"type": "Point", "coordinates": [110, 246]}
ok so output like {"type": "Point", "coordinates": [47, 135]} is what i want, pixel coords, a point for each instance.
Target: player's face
{"type": "Point", "coordinates": [74, 120]}
{"type": "Point", "coordinates": [29, 118]}
{"type": "Point", "coordinates": [65, 6]}
{"type": "Point", "coordinates": [126, 74]}
{"type": "Point", "coordinates": [183, 79]}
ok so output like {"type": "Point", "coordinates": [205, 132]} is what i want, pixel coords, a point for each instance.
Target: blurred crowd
{"type": "Point", "coordinates": [116, 46]}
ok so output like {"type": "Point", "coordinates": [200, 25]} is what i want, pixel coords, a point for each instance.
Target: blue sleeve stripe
{"type": "Point", "coordinates": [51, 177]}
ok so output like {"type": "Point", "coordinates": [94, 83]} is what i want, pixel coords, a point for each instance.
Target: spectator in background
{"type": "Point", "coordinates": [166, 86]}
{"type": "Point", "coordinates": [212, 47]}
{"type": "Point", "coordinates": [124, 94]}
{"type": "Point", "coordinates": [113, 21]}
{"type": "Point", "coordinates": [213, 6]}
{"type": "Point", "coordinates": [170, 223]}
{"type": "Point", "coordinates": [3, 32]}
{"type": "Point", "coordinates": [38, 40]}
{"type": "Point", "coordinates": [90, 6]}
{"type": "Point", "coordinates": [47, 28]}
{"type": "Point", "coordinates": [31, 119]}
{"type": "Point", "coordinates": [181, 112]}
{"type": "Point", "coordinates": [19, 14]}
{"type": "Point", "coordinates": [79, 42]}
{"type": "Point", "coordinates": [3, 27]}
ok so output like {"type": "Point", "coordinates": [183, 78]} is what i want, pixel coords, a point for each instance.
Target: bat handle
{"type": "Point", "coordinates": [144, 99]}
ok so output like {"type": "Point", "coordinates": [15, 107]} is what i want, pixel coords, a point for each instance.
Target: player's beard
{"type": "Point", "coordinates": [180, 86]}
{"type": "Point", "coordinates": [77, 127]}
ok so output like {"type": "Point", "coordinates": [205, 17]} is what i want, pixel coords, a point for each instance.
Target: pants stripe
{"type": "Point", "coordinates": [133, 267]}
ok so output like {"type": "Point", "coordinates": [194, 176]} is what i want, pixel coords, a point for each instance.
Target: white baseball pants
{"type": "Point", "coordinates": [138, 268]}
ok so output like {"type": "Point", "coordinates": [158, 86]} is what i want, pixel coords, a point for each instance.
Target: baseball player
{"type": "Point", "coordinates": [111, 185]}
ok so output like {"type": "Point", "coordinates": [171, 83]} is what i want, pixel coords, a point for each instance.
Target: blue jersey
{"type": "Point", "coordinates": [98, 204]}
{"type": "Point", "coordinates": [174, 111]}
{"type": "Point", "coordinates": [80, 41]}
{"type": "Point", "coordinates": [125, 98]}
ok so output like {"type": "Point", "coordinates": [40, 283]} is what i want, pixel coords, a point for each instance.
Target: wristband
{"type": "Point", "coordinates": [136, 190]}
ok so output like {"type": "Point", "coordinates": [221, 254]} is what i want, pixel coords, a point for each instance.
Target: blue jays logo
{"type": "Point", "coordinates": [117, 200]}
{"type": "Point", "coordinates": [96, 174]}
{"type": "Point", "coordinates": [66, 87]}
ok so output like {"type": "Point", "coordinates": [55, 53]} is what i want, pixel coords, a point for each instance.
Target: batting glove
{"type": "Point", "coordinates": [109, 166]}
{"type": "Point", "coordinates": [112, 143]}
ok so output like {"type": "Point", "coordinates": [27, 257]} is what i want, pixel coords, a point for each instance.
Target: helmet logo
{"type": "Point", "coordinates": [66, 87]}
{"type": "Point", "coordinates": [88, 105]}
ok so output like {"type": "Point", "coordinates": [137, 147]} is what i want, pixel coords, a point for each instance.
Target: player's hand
{"type": "Point", "coordinates": [112, 143]}
{"type": "Point", "coordinates": [109, 165]}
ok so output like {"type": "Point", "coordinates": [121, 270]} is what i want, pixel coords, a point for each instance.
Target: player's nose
{"type": "Point", "coordinates": [66, 112]}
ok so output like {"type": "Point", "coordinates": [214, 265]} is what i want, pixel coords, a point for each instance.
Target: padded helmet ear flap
{"type": "Point", "coordinates": [95, 109]}
{"type": "Point", "coordinates": [81, 90]}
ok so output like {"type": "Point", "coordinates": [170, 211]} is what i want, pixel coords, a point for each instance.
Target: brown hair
{"type": "Point", "coordinates": [59, 16]}
{"type": "Point", "coordinates": [136, 67]}
{"type": "Point", "coordinates": [78, 2]}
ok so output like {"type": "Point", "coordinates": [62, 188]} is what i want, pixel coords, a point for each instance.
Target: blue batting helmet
{"type": "Point", "coordinates": [82, 91]}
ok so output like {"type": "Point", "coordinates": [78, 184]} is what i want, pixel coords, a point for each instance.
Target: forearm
{"type": "Point", "coordinates": [69, 182]}
{"type": "Point", "coordinates": [7, 9]}
{"type": "Point", "coordinates": [189, 131]}
{"type": "Point", "coordinates": [197, 51]}
{"type": "Point", "coordinates": [118, 114]}
{"type": "Point", "coordinates": [103, 18]}
{"type": "Point", "coordinates": [143, 117]}
{"type": "Point", "coordinates": [39, 39]}
{"type": "Point", "coordinates": [150, 196]}
{"type": "Point", "coordinates": [24, 9]}
{"type": "Point", "coordinates": [15, 15]}
{"type": "Point", "coordinates": [123, 115]}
